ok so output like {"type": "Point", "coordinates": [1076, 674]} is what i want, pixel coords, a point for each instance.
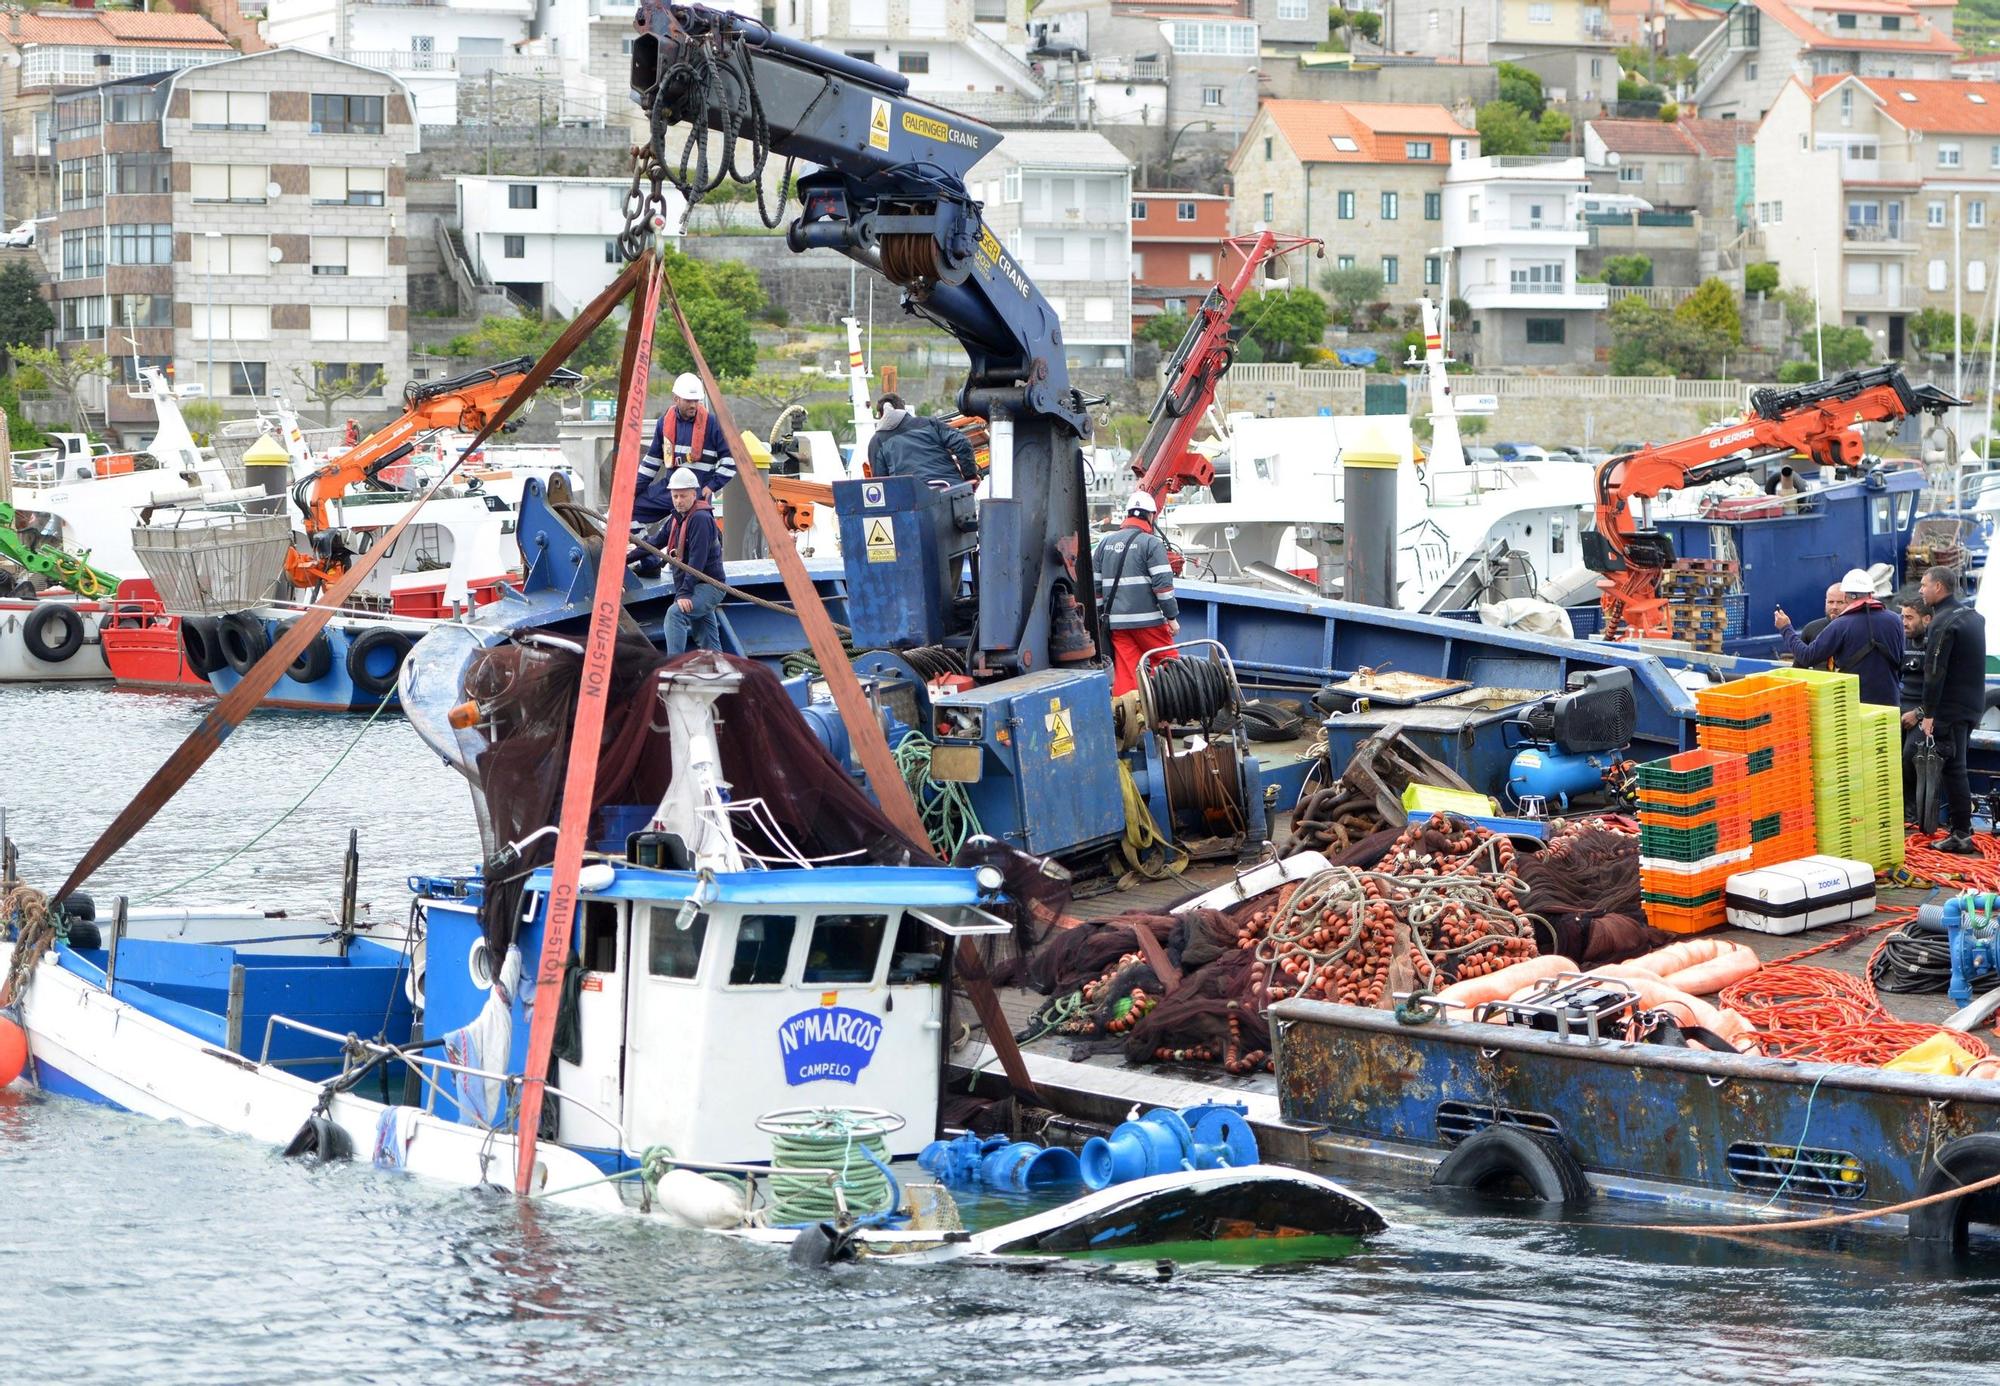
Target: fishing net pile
{"type": "Point", "coordinates": [1399, 911]}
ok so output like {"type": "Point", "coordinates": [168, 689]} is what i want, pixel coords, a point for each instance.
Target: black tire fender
{"type": "Point", "coordinates": [361, 646]}
{"type": "Point", "coordinates": [1966, 1160]}
{"type": "Point", "coordinates": [244, 639]}
{"type": "Point", "coordinates": [201, 644]}
{"type": "Point", "coordinates": [314, 661]}
{"type": "Point", "coordinates": [67, 632]}
{"type": "Point", "coordinates": [320, 1140]}
{"type": "Point", "coordinates": [1494, 1160]}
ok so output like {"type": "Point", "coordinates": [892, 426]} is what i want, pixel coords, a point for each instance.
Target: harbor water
{"type": "Point", "coordinates": [143, 1252]}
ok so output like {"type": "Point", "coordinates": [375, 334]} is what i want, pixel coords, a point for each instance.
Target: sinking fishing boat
{"type": "Point", "coordinates": [782, 959]}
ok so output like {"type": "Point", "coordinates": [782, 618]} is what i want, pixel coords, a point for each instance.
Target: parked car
{"type": "Point", "coordinates": [1591, 456]}
{"type": "Point", "coordinates": [1483, 457]}
{"type": "Point", "coordinates": [1528, 452]}
{"type": "Point", "coordinates": [21, 237]}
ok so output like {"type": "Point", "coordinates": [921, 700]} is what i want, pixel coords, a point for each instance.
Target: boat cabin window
{"type": "Point", "coordinates": [671, 950]}
{"type": "Point", "coordinates": [919, 953]}
{"type": "Point", "coordinates": [597, 941]}
{"type": "Point", "coordinates": [763, 949]}
{"type": "Point", "coordinates": [845, 948]}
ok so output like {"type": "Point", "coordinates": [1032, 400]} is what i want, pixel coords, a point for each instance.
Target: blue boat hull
{"type": "Point", "coordinates": [335, 691]}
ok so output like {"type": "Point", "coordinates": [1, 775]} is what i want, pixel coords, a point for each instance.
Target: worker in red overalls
{"type": "Point", "coordinates": [1135, 591]}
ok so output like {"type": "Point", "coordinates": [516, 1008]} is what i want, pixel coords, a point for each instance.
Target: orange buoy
{"type": "Point", "coordinates": [13, 1051]}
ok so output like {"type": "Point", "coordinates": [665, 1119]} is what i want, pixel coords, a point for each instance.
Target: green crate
{"type": "Point", "coordinates": [1680, 844]}
{"type": "Point", "coordinates": [1684, 902]}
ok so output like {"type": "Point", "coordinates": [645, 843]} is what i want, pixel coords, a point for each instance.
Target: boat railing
{"type": "Point", "coordinates": [424, 1066]}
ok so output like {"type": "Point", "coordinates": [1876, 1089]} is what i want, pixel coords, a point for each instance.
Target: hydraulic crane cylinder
{"type": "Point", "coordinates": [1368, 482]}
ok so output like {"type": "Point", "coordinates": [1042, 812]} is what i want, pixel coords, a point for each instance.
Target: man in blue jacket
{"type": "Point", "coordinates": [1865, 640]}
{"type": "Point", "coordinates": [908, 444]}
{"type": "Point", "coordinates": [690, 535]}
{"type": "Point", "coordinates": [697, 443]}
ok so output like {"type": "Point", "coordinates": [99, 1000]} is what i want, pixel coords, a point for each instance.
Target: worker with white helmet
{"type": "Point", "coordinates": [1135, 591]}
{"type": "Point", "coordinates": [697, 442]}
{"type": "Point", "coordinates": [690, 536]}
{"type": "Point", "coordinates": [1864, 640]}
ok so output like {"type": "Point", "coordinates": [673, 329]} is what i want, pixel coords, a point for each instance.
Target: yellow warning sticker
{"type": "Point", "coordinates": [1062, 739]}
{"type": "Point", "coordinates": [881, 540]}
{"type": "Point", "coordinates": [878, 123]}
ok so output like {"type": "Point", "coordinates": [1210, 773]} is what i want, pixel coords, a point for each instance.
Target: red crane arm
{"type": "Point", "coordinates": [1164, 462]}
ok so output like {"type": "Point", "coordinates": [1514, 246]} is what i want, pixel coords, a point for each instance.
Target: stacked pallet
{"type": "Point", "coordinates": [1857, 769]}
{"type": "Point", "coordinates": [1694, 834]}
{"type": "Point", "coordinates": [1765, 720]}
{"type": "Point", "coordinates": [1704, 605]}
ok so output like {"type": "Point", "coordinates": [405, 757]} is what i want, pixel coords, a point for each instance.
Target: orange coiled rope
{"type": "Point", "coordinates": [1802, 1012]}
{"type": "Point", "coordinates": [1923, 862]}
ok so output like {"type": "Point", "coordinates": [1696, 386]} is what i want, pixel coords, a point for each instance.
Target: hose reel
{"type": "Point", "coordinates": [1193, 705]}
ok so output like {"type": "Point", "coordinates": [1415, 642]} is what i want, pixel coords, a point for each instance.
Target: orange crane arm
{"type": "Point", "coordinates": [462, 402]}
{"type": "Point", "coordinates": [1822, 420]}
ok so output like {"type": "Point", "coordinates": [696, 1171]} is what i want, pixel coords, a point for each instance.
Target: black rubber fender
{"type": "Point", "coordinates": [1964, 1161]}
{"type": "Point", "coordinates": [53, 632]}
{"type": "Point", "coordinates": [201, 644]}
{"type": "Point", "coordinates": [361, 646]}
{"type": "Point", "coordinates": [244, 639]}
{"type": "Point", "coordinates": [1501, 1160]}
{"type": "Point", "coordinates": [822, 1244]}
{"type": "Point", "coordinates": [314, 661]}
{"type": "Point", "coordinates": [320, 1140]}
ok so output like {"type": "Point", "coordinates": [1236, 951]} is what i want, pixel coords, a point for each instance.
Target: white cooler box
{"type": "Point", "coordinates": [1798, 895]}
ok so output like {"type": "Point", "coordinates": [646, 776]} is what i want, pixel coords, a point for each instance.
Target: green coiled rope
{"type": "Point", "coordinates": [946, 808]}
{"type": "Point", "coordinates": [834, 1139]}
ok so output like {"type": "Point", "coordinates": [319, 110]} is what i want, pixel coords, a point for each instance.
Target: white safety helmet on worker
{"type": "Point", "coordinates": [683, 479]}
{"type": "Point", "coordinates": [1142, 502]}
{"type": "Point", "coordinates": [1856, 583]}
{"type": "Point", "coordinates": [687, 385]}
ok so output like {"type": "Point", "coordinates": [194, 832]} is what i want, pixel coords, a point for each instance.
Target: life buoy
{"type": "Point", "coordinates": [1510, 1162]}
{"type": "Point", "coordinates": [244, 640]}
{"type": "Point", "coordinates": [1964, 1161]}
{"type": "Point", "coordinates": [201, 644]}
{"type": "Point", "coordinates": [67, 628]}
{"type": "Point", "coordinates": [314, 660]}
{"type": "Point", "coordinates": [364, 658]}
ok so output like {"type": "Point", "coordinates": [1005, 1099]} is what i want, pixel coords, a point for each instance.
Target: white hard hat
{"type": "Point", "coordinates": [1856, 583]}
{"type": "Point", "coordinates": [683, 479]}
{"type": "Point", "coordinates": [687, 385]}
{"type": "Point", "coordinates": [1142, 500]}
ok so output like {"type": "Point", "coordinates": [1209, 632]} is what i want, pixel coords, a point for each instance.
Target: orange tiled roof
{"type": "Point", "coordinates": [1376, 129]}
{"type": "Point", "coordinates": [1944, 107]}
{"type": "Point", "coordinates": [1719, 139]}
{"type": "Point", "coordinates": [1643, 137]}
{"type": "Point", "coordinates": [111, 29]}
{"type": "Point", "coordinates": [1931, 40]}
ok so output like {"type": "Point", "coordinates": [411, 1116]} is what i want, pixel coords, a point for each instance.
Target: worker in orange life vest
{"type": "Point", "coordinates": [698, 444]}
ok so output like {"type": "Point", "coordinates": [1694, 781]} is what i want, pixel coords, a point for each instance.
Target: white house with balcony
{"type": "Point", "coordinates": [1515, 225]}
{"type": "Point", "coordinates": [968, 55]}
{"type": "Point", "coordinates": [1061, 201]}
{"type": "Point", "coordinates": [550, 242]}
{"type": "Point", "coordinates": [458, 57]}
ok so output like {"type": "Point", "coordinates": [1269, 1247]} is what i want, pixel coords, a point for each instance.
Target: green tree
{"type": "Point", "coordinates": [326, 389]}
{"type": "Point", "coordinates": [1636, 89]}
{"type": "Point", "coordinates": [724, 334]}
{"type": "Point", "coordinates": [1711, 308]}
{"type": "Point", "coordinates": [21, 430]}
{"type": "Point", "coordinates": [1286, 326]}
{"type": "Point", "coordinates": [1166, 330]}
{"type": "Point", "coordinates": [1931, 334]}
{"type": "Point", "coordinates": [737, 285]}
{"type": "Point", "coordinates": [1670, 112]}
{"type": "Point", "coordinates": [67, 375]}
{"type": "Point", "coordinates": [1522, 88]}
{"type": "Point", "coordinates": [1628, 270]}
{"type": "Point", "coordinates": [500, 338]}
{"type": "Point", "coordinates": [1845, 348]}
{"type": "Point", "coordinates": [1366, 24]}
{"type": "Point", "coordinates": [1505, 128]}
{"type": "Point", "coordinates": [1646, 340]}
{"type": "Point", "coordinates": [24, 318]}
{"type": "Point", "coordinates": [1351, 288]}
{"type": "Point", "coordinates": [1760, 278]}
{"type": "Point", "coordinates": [203, 416]}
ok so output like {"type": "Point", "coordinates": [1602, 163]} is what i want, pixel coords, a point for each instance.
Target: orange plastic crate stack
{"type": "Point", "coordinates": [1694, 834]}
{"type": "Point", "coordinates": [1768, 721]}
